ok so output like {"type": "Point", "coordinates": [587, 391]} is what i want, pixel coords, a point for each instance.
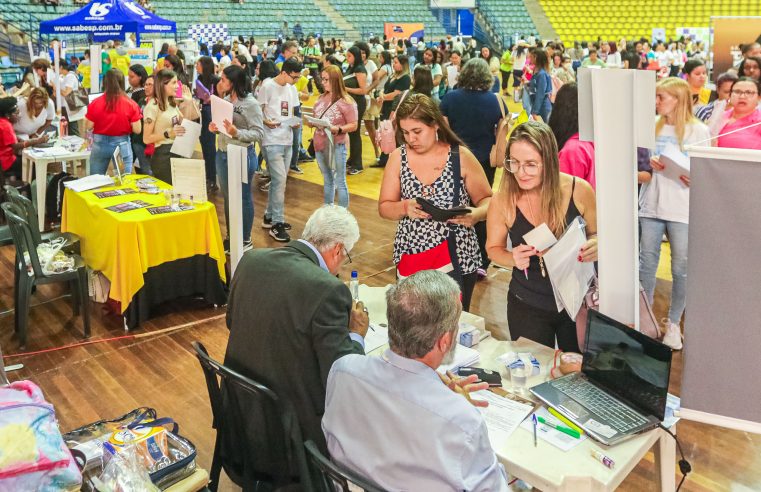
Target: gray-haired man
{"type": "Point", "coordinates": [290, 318]}
{"type": "Point", "coordinates": [392, 419]}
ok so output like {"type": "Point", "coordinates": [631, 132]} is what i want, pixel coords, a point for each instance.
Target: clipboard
{"type": "Point", "coordinates": [441, 214]}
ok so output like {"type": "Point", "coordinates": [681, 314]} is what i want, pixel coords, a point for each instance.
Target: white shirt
{"type": "Point", "coordinates": [224, 62]}
{"type": "Point", "coordinates": [243, 51]}
{"type": "Point", "coordinates": [254, 50]}
{"type": "Point", "coordinates": [392, 420]}
{"type": "Point", "coordinates": [277, 103]}
{"type": "Point", "coordinates": [26, 125]}
{"type": "Point", "coordinates": [70, 81]}
{"type": "Point", "coordinates": [663, 198]}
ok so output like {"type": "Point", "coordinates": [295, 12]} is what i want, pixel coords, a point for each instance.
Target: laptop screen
{"type": "Point", "coordinates": [627, 363]}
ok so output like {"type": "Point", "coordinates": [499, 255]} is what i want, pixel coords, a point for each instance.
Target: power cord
{"type": "Point", "coordinates": [684, 465]}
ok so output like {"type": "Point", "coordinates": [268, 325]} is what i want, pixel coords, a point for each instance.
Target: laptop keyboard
{"type": "Point", "coordinates": [617, 415]}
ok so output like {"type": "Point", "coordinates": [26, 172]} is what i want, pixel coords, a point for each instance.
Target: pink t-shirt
{"type": "Point", "coordinates": [342, 112]}
{"type": "Point", "coordinates": [749, 138]}
{"type": "Point", "coordinates": [577, 158]}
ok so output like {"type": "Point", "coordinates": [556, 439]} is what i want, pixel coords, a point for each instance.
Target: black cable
{"type": "Point", "coordinates": [684, 465]}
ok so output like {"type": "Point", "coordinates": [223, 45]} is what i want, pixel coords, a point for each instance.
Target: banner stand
{"type": "Point", "coordinates": [237, 161]}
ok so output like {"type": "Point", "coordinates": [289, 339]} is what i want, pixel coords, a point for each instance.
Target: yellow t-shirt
{"type": "Point", "coordinates": [84, 70]}
{"type": "Point", "coordinates": [121, 62]}
{"type": "Point", "coordinates": [163, 119]}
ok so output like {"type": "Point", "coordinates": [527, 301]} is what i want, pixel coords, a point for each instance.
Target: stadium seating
{"type": "Point", "coordinates": [369, 17]}
{"type": "Point", "coordinates": [576, 20]}
{"type": "Point", "coordinates": [507, 17]}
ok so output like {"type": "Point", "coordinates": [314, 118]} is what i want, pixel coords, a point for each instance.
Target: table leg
{"type": "Point", "coordinates": [26, 169]}
{"type": "Point", "coordinates": [41, 169]}
{"type": "Point", "coordinates": [665, 460]}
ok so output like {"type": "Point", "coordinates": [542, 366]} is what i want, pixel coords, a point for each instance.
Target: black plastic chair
{"type": "Point", "coordinates": [72, 242]}
{"type": "Point", "coordinates": [235, 421]}
{"type": "Point", "coordinates": [329, 477]}
{"type": "Point", "coordinates": [29, 274]}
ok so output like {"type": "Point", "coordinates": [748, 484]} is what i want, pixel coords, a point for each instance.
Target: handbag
{"type": "Point", "coordinates": [647, 322]}
{"type": "Point", "coordinates": [77, 99]}
{"type": "Point", "coordinates": [385, 136]}
{"type": "Point", "coordinates": [442, 257]}
{"type": "Point", "coordinates": [498, 151]}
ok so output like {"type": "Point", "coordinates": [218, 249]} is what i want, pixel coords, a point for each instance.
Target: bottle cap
{"type": "Point", "coordinates": [354, 274]}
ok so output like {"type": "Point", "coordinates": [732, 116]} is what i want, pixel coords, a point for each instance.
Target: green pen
{"type": "Point", "coordinates": [564, 430]}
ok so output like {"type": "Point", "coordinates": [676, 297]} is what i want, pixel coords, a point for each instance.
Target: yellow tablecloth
{"type": "Point", "coordinates": [123, 246]}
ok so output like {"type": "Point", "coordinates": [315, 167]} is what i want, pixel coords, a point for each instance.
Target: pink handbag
{"type": "Point", "coordinates": [385, 137]}
{"type": "Point", "coordinates": [647, 322]}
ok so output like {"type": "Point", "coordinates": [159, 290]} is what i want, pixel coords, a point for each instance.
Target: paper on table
{"type": "Point", "coordinates": [185, 145]}
{"type": "Point", "coordinates": [677, 163]}
{"type": "Point", "coordinates": [89, 182]}
{"type": "Point", "coordinates": [189, 178]}
{"type": "Point", "coordinates": [552, 436]}
{"type": "Point", "coordinates": [221, 110]}
{"type": "Point", "coordinates": [377, 336]}
{"type": "Point", "coordinates": [540, 237]}
{"type": "Point", "coordinates": [463, 357]}
{"type": "Point", "coordinates": [672, 403]}
{"type": "Point", "coordinates": [570, 277]}
{"type": "Point", "coordinates": [319, 123]}
{"type": "Point", "coordinates": [502, 416]}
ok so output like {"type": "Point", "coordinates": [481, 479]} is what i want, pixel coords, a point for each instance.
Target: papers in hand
{"type": "Point", "coordinates": [570, 277]}
{"type": "Point", "coordinates": [316, 122]}
{"type": "Point", "coordinates": [89, 182]}
{"type": "Point", "coordinates": [552, 436]}
{"type": "Point", "coordinates": [291, 121]}
{"type": "Point", "coordinates": [221, 110]}
{"type": "Point", "coordinates": [540, 237]}
{"type": "Point", "coordinates": [502, 416]}
{"type": "Point", "coordinates": [463, 357]}
{"type": "Point", "coordinates": [676, 163]}
{"type": "Point", "coordinates": [185, 144]}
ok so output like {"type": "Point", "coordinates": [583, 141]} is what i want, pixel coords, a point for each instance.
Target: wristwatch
{"type": "Point", "coordinates": [166, 133]}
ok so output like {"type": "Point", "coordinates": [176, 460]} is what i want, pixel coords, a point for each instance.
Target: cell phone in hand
{"type": "Point", "coordinates": [175, 120]}
{"type": "Point", "coordinates": [484, 375]}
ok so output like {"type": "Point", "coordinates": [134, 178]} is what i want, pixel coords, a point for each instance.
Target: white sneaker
{"type": "Point", "coordinates": [673, 336]}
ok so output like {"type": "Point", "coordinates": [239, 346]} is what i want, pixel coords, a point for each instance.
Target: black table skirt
{"type": "Point", "coordinates": [194, 276]}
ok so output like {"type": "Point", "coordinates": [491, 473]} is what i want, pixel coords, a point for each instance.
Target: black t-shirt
{"type": "Point", "coordinates": [399, 84]}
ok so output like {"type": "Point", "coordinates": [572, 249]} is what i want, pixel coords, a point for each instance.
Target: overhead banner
{"type": "Point", "coordinates": [728, 34]}
{"type": "Point", "coordinates": [209, 33]}
{"type": "Point", "coordinates": [404, 30]}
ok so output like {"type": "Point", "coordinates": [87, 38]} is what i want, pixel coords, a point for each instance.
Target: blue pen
{"type": "Point", "coordinates": [533, 421]}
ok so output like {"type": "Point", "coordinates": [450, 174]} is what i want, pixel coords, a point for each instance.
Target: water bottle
{"type": "Point", "coordinates": [354, 285]}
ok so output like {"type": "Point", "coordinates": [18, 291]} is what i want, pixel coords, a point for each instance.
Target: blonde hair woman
{"type": "Point", "coordinates": [533, 191]}
{"type": "Point", "coordinates": [338, 107]}
{"type": "Point", "coordinates": [664, 202]}
{"type": "Point", "coordinates": [433, 164]}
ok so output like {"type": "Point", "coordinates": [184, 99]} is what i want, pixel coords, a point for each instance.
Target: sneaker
{"type": "Point", "coordinates": [267, 224]}
{"type": "Point", "coordinates": [278, 233]}
{"type": "Point", "coordinates": [305, 157]}
{"type": "Point", "coordinates": [352, 171]}
{"type": "Point", "coordinates": [297, 170]}
{"type": "Point", "coordinates": [247, 245]}
{"type": "Point", "coordinates": [673, 336]}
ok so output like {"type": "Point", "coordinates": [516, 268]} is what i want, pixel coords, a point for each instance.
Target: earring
{"type": "Point", "coordinates": [437, 136]}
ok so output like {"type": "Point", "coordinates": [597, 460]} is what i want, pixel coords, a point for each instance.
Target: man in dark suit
{"type": "Point", "coordinates": [290, 318]}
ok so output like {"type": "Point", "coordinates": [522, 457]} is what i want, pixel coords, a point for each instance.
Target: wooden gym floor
{"type": "Point", "coordinates": [155, 366]}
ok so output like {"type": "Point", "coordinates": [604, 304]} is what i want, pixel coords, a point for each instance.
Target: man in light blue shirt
{"type": "Point", "coordinates": [392, 420]}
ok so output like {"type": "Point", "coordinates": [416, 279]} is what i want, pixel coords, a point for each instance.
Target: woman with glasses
{"type": "Point", "coordinates": [337, 107]}
{"type": "Point", "coordinates": [664, 202]}
{"type": "Point", "coordinates": [433, 164]}
{"type": "Point", "coordinates": [744, 99]}
{"type": "Point", "coordinates": [535, 192]}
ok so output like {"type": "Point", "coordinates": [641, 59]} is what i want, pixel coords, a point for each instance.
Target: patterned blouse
{"type": "Point", "coordinates": [418, 235]}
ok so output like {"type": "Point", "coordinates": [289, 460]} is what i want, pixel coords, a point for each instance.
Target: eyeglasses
{"type": "Point", "coordinates": [740, 93]}
{"type": "Point", "coordinates": [294, 75]}
{"type": "Point", "coordinates": [531, 168]}
{"type": "Point", "coordinates": [348, 257]}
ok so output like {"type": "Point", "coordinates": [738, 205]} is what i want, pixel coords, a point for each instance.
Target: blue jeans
{"type": "Point", "coordinates": [294, 162]}
{"type": "Point", "coordinates": [651, 234]}
{"type": "Point", "coordinates": [248, 199]}
{"type": "Point", "coordinates": [102, 152]}
{"type": "Point", "coordinates": [138, 149]}
{"type": "Point", "coordinates": [335, 179]}
{"type": "Point", "coordinates": [208, 144]}
{"type": "Point", "coordinates": [278, 161]}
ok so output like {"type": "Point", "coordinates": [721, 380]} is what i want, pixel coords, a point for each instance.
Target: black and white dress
{"type": "Point", "coordinates": [417, 235]}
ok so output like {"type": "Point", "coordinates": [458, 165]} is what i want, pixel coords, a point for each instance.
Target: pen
{"type": "Point", "coordinates": [567, 422]}
{"type": "Point", "coordinates": [533, 421]}
{"type": "Point", "coordinates": [564, 430]}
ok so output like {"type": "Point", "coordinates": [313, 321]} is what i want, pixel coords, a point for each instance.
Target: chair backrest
{"type": "Point", "coordinates": [326, 475]}
{"type": "Point", "coordinates": [228, 392]}
{"type": "Point", "coordinates": [29, 212]}
{"type": "Point", "coordinates": [22, 239]}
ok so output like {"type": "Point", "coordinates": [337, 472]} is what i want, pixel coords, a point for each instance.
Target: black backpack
{"type": "Point", "coordinates": [54, 196]}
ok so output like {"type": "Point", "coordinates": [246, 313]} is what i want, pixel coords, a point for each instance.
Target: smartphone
{"type": "Point", "coordinates": [485, 375]}
{"type": "Point", "coordinates": [175, 121]}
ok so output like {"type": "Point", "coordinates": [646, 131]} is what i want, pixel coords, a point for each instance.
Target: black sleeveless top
{"type": "Point", "coordinates": [537, 290]}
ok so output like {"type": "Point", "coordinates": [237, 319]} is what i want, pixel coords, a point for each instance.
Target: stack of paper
{"type": "Point", "coordinates": [463, 357]}
{"type": "Point", "coordinates": [552, 436]}
{"type": "Point", "coordinates": [377, 336]}
{"type": "Point", "coordinates": [502, 416]}
{"type": "Point", "coordinates": [89, 182]}
{"type": "Point", "coordinates": [676, 163]}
